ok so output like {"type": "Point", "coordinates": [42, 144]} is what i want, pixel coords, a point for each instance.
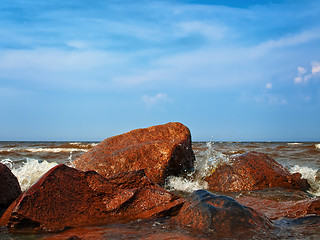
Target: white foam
{"type": "Point", "coordinates": [317, 146]}
{"type": "Point", "coordinates": [294, 143]}
{"type": "Point", "coordinates": [203, 167]}
{"type": "Point", "coordinates": [49, 150]}
{"type": "Point", "coordinates": [184, 185]}
{"type": "Point", "coordinates": [311, 175]}
{"type": "Point", "coordinates": [83, 144]}
{"type": "Point", "coordinates": [31, 171]}
{"type": "Point", "coordinates": [8, 162]}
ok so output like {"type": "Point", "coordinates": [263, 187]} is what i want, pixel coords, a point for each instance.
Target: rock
{"type": "Point", "coordinates": [9, 187]}
{"type": "Point", "coordinates": [161, 150]}
{"type": "Point", "coordinates": [65, 197]}
{"type": "Point", "coordinates": [221, 216]}
{"type": "Point", "coordinates": [253, 171]}
{"type": "Point", "coordinates": [279, 209]}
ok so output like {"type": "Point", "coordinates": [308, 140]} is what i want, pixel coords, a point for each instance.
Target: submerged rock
{"type": "Point", "coordinates": [65, 197]}
{"type": "Point", "coordinates": [253, 171]}
{"type": "Point", "coordinates": [221, 216]}
{"type": "Point", "coordinates": [279, 209]}
{"type": "Point", "coordinates": [161, 150]}
{"type": "Point", "coordinates": [9, 187]}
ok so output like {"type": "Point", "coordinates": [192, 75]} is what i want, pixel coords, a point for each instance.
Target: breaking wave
{"type": "Point", "coordinates": [311, 175]}
{"type": "Point", "coordinates": [30, 171]}
{"type": "Point", "coordinates": [49, 150]}
{"type": "Point", "coordinates": [204, 165]}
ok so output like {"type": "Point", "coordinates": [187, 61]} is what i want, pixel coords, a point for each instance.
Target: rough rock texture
{"type": "Point", "coordinates": [221, 216]}
{"type": "Point", "coordinates": [9, 187]}
{"type": "Point", "coordinates": [65, 197]}
{"type": "Point", "coordinates": [253, 171]}
{"type": "Point", "coordinates": [161, 150]}
{"type": "Point", "coordinates": [289, 209]}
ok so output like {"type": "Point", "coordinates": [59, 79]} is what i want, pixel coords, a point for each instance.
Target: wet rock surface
{"type": "Point", "coordinates": [161, 150]}
{"type": "Point", "coordinates": [65, 197]}
{"type": "Point", "coordinates": [9, 187]}
{"type": "Point", "coordinates": [143, 231]}
{"type": "Point", "coordinates": [253, 171]}
{"type": "Point", "coordinates": [283, 209]}
{"type": "Point", "coordinates": [221, 216]}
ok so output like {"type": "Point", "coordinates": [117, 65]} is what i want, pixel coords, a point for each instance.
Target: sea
{"type": "Point", "coordinates": [30, 160]}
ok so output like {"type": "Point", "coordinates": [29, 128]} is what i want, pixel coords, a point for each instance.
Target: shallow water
{"type": "Point", "coordinates": [29, 160]}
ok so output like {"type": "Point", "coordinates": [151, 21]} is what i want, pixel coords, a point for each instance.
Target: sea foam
{"type": "Point", "coordinates": [49, 150]}
{"type": "Point", "coordinates": [311, 175]}
{"type": "Point", "coordinates": [30, 171]}
{"type": "Point", "coordinates": [184, 185]}
{"type": "Point", "coordinates": [203, 167]}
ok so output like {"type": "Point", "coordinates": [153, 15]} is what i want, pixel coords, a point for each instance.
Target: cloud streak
{"type": "Point", "coordinates": [152, 101]}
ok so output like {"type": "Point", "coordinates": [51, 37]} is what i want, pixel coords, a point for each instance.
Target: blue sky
{"type": "Point", "coordinates": [229, 70]}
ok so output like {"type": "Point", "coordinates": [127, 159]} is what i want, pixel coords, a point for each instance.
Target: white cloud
{"type": "Point", "coordinates": [315, 67]}
{"type": "Point", "coordinates": [56, 68]}
{"type": "Point", "coordinates": [268, 85]}
{"type": "Point", "coordinates": [271, 99]}
{"type": "Point", "coordinates": [287, 41]}
{"type": "Point", "coordinates": [78, 44]}
{"type": "Point", "coordinates": [211, 31]}
{"type": "Point", "coordinates": [302, 70]}
{"type": "Point", "coordinates": [297, 80]}
{"type": "Point", "coordinates": [304, 76]}
{"type": "Point", "coordinates": [151, 101]}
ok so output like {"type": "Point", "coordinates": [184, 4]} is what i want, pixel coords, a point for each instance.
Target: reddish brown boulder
{"type": "Point", "coordinates": [253, 171]}
{"type": "Point", "coordinates": [9, 187]}
{"type": "Point", "coordinates": [161, 150]}
{"type": "Point", "coordinates": [65, 197]}
{"type": "Point", "coordinates": [279, 209]}
{"type": "Point", "coordinates": [221, 216]}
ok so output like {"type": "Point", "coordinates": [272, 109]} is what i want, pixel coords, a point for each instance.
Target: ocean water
{"type": "Point", "coordinates": [30, 160]}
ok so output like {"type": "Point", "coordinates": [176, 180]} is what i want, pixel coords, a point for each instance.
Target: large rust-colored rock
{"type": "Point", "coordinates": [161, 150]}
{"type": "Point", "coordinates": [253, 171]}
{"type": "Point", "coordinates": [9, 187]}
{"type": "Point", "coordinates": [65, 197]}
{"type": "Point", "coordinates": [221, 216]}
{"type": "Point", "coordinates": [279, 209]}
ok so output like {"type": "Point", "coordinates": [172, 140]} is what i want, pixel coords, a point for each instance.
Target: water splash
{"type": "Point", "coordinates": [311, 175]}
{"type": "Point", "coordinates": [8, 162]}
{"type": "Point", "coordinates": [182, 184]}
{"type": "Point", "coordinates": [30, 171]}
{"type": "Point", "coordinates": [203, 167]}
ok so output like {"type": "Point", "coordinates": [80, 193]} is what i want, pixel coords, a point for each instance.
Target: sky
{"type": "Point", "coordinates": [229, 70]}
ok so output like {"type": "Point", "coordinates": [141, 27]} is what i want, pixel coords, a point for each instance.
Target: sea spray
{"type": "Point", "coordinates": [212, 158]}
{"type": "Point", "coordinates": [7, 162]}
{"type": "Point", "coordinates": [30, 171]}
{"type": "Point", "coordinates": [311, 175]}
{"type": "Point", "coordinates": [203, 167]}
{"type": "Point", "coordinates": [182, 184]}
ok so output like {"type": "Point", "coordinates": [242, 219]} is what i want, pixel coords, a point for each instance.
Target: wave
{"type": "Point", "coordinates": [30, 171]}
{"type": "Point", "coordinates": [311, 175]}
{"type": "Point", "coordinates": [184, 185]}
{"type": "Point", "coordinates": [37, 150]}
{"type": "Point", "coordinates": [204, 165]}
{"type": "Point", "coordinates": [294, 143]}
